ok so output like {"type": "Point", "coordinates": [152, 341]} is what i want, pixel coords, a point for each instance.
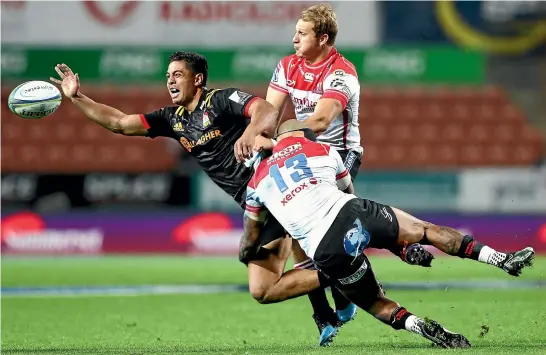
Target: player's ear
{"type": "Point", "coordinates": [198, 79]}
{"type": "Point", "coordinates": [323, 39]}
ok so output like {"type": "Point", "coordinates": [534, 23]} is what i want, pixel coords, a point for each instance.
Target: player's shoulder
{"type": "Point", "coordinates": [288, 60]}
{"type": "Point", "coordinates": [221, 95]}
{"type": "Point", "coordinates": [167, 111]}
{"type": "Point", "coordinates": [315, 148]}
{"type": "Point", "coordinates": [341, 67]}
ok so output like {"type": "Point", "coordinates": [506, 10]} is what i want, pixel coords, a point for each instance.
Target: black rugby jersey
{"type": "Point", "coordinates": [209, 134]}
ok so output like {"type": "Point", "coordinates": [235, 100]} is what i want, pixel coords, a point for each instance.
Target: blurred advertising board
{"type": "Point", "coordinates": [61, 192]}
{"type": "Point", "coordinates": [496, 27]}
{"type": "Point", "coordinates": [410, 190]}
{"type": "Point", "coordinates": [510, 190]}
{"type": "Point", "coordinates": [123, 64]}
{"type": "Point", "coordinates": [214, 24]}
{"type": "Point", "coordinates": [212, 233]}
{"type": "Point", "coordinates": [503, 190]}
{"type": "Point", "coordinates": [406, 190]}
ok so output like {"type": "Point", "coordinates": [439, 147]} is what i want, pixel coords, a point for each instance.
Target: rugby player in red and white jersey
{"type": "Point", "coordinates": [325, 91]}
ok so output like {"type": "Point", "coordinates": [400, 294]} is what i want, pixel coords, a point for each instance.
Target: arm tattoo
{"type": "Point", "coordinates": [247, 245]}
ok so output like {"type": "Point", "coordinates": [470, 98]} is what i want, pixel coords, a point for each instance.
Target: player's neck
{"type": "Point", "coordinates": [321, 56]}
{"type": "Point", "coordinates": [193, 103]}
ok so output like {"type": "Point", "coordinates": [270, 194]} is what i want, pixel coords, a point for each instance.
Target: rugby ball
{"type": "Point", "coordinates": [34, 99]}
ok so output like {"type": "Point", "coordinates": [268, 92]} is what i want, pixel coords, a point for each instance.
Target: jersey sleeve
{"type": "Point", "coordinates": [343, 178]}
{"type": "Point", "coordinates": [254, 207]}
{"type": "Point", "coordinates": [158, 123]}
{"type": "Point", "coordinates": [278, 80]}
{"type": "Point", "coordinates": [341, 86]}
{"type": "Point", "coordinates": [233, 101]}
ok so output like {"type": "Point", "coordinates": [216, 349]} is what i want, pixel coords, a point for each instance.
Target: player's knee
{"type": "Point", "coordinates": [415, 232]}
{"type": "Point", "coordinates": [259, 293]}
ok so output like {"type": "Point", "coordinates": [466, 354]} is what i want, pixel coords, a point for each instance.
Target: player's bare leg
{"type": "Point", "coordinates": [265, 282]}
{"type": "Point", "coordinates": [453, 242]}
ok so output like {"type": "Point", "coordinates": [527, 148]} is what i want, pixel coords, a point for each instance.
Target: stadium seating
{"type": "Point", "coordinates": [401, 128]}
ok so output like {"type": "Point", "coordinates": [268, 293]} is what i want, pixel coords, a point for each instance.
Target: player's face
{"type": "Point", "coordinates": [181, 83]}
{"type": "Point", "coordinates": [305, 40]}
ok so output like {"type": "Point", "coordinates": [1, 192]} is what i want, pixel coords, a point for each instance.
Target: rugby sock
{"type": "Point", "coordinates": [341, 301]}
{"type": "Point", "coordinates": [402, 319]}
{"type": "Point", "coordinates": [491, 256]}
{"type": "Point", "coordinates": [413, 324]}
{"type": "Point", "coordinates": [482, 253]}
{"type": "Point", "coordinates": [319, 302]}
{"type": "Point", "coordinates": [469, 248]}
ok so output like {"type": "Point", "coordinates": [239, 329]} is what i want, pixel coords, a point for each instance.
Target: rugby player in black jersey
{"type": "Point", "coordinates": [212, 125]}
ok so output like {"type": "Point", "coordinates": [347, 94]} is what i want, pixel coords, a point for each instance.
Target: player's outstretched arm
{"type": "Point", "coordinates": [106, 116]}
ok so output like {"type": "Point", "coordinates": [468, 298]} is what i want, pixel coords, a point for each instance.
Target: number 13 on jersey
{"type": "Point", "coordinates": [297, 163]}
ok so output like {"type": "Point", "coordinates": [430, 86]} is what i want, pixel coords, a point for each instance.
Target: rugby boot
{"type": "Point", "coordinates": [440, 336]}
{"type": "Point", "coordinates": [347, 314]}
{"type": "Point", "coordinates": [327, 330]}
{"type": "Point", "coordinates": [516, 261]}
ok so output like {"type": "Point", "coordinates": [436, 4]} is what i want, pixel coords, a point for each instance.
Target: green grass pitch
{"type": "Point", "coordinates": [233, 323]}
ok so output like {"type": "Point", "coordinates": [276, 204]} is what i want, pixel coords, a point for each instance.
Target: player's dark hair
{"type": "Point", "coordinates": [195, 61]}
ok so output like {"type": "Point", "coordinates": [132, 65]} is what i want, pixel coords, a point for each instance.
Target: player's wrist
{"type": "Point", "coordinates": [77, 96]}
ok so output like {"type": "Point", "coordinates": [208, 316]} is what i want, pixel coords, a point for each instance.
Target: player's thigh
{"type": "Point", "coordinates": [298, 253]}
{"type": "Point", "coordinates": [379, 224]}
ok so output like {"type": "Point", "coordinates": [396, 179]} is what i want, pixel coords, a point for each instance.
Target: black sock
{"type": "Point", "coordinates": [398, 318]}
{"type": "Point", "coordinates": [341, 301]}
{"type": "Point", "coordinates": [321, 307]}
{"type": "Point", "coordinates": [470, 248]}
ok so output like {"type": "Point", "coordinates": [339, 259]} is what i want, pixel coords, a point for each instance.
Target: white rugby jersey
{"type": "Point", "coordinates": [300, 184]}
{"type": "Point", "coordinates": [335, 77]}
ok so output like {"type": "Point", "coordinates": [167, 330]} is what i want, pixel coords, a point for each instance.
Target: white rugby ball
{"type": "Point", "coordinates": [34, 99]}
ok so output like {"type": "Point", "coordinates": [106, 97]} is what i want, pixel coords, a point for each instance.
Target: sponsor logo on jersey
{"type": "Point", "coordinates": [284, 152]}
{"type": "Point", "coordinates": [178, 127]}
{"type": "Point", "coordinates": [340, 85]}
{"type": "Point", "coordinates": [309, 77]}
{"type": "Point", "coordinates": [318, 89]}
{"type": "Point", "coordinates": [293, 193]}
{"type": "Point", "coordinates": [304, 102]}
{"type": "Point", "coordinates": [206, 120]}
{"type": "Point", "coordinates": [339, 72]}
{"type": "Point", "coordinates": [189, 145]}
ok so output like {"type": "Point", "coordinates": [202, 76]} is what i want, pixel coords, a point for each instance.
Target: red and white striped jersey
{"type": "Point", "coordinates": [335, 77]}
{"type": "Point", "coordinates": [300, 184]}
